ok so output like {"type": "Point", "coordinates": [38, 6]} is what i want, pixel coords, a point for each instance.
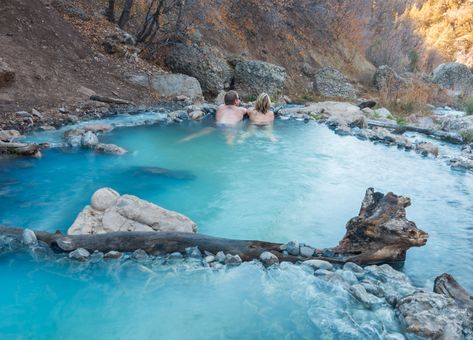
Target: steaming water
{"type": "Point", "coordinates": [304, 186]}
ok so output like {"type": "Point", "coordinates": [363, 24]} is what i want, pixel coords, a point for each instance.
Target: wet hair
{"type": "Point", "coordinates": [263, 103]}
{"type": "Point", "coordinates": [230, 97]}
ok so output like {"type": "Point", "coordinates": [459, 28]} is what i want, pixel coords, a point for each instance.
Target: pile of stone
{"type": "Point", "coordinates": [86, 137]}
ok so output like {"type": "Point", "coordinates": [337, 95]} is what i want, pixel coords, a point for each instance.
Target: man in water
{"type": "Point", "coordinates": [230, 113]}
{"type": "Point", "coordinates": [228, 116]}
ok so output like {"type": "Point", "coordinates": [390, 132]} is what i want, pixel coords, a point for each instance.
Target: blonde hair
{"type": "Point", "coordinates": [263, 103]}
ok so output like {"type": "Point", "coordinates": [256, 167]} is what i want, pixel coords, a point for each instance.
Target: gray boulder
{"type": "Point", "coordinates": [455, 77]}
{"type": "Point", "coordinates": [110, 212]}
{"type": "Point", "coordinates": [268, 258]}
{"type": "Point", "coordinates": [319, 264]}
{"type": "Point", "coordinates": [7, 75]}
{"type": "Point", "coordinates": [8, 135]}
{"type": "Point", "coordinates": [169, 85]}
{"type": "Point", "coordinates": [386, 79]}
{"type": "Point", "coordinates": [253, 77]}
{"type": "Point", "coordinates": [79, 254]}
{"type": "Point", "coordinates": [110, 149]}
{"type": "Point", "coordinates": [432, 315]}
{"type": "Point", "coordinates": [212, 71]}
{"type": "Point", "coordinates": [330, 82]}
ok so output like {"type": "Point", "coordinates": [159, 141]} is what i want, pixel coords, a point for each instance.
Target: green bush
{"type": "Point", "coordinates": [467, 135]}
{"type": "Point", "coordinates": [469, 106]}
{"type": "Point", "coordinates": [401, 121]}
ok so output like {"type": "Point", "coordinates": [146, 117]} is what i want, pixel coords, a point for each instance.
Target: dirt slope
{"type": "Point", "coordinates": [52, 61]}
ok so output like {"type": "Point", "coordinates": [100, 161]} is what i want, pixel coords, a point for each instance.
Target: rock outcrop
{"type": "Point", "coordinates": [330, 82]}
{"type": "Point", "coordinates": [386, 79]}
{"type": "Point", "coordinates": [212, 71]}
{"type": "Point", "coordinates": [110, 212]}
{"type": "Point", "coordinates": [253, 77]}
{"type": "Point", "coordinates": [169, 85]}
{"type": "Point", "coordinates": [455, 77]}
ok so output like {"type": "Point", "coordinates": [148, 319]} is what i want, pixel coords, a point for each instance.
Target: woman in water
{"type": "Point", "coordinates": [260, 116]}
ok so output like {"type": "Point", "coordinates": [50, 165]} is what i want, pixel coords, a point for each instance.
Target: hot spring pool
{"type": "Point", "coordinates": [305, 186]}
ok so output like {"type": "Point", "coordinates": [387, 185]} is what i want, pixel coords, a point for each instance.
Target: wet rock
{"type": "Point", "coordinates": [209, 258]}
{"type": "Point", "coordinates": [348, 276]}
{"type": "Point", "coordinates": [268, 258]}
{"type": "Point", "coordinates": [213, 72]}
{"type": "Point", "coordinates": [140, 255]}
{"type": "Point", "coordinates": [253, 77]}
{"type": "Point", "coordinates": [96, 257]}
{"type": "Point", "coordinates": [110, 149]}
{"type": "Point", "coordinates": [461, 163]}
{"type": "Point", "coordinates": [455, 77]}
{"type": "Point", "coordinates": [372, 288]}
{"type": "Point", "coordinates": [319, 264]}
{"type": "Point", "coordinates": [330, 82]}
{"type": "Point", "coordinates": [37, 114]}
{"type": "Point", "coordinates": [79, 254]}
{"type": "Point", "coordinates": [169, 85]}
{"type": "Point", "coordinates": [306, 251]}
{"type": "Point", "coordinates": [367, 104]}
{"type": "Point", "coordinates": [196, 115]}
{"type": "Point", "coordinates": [9, 135]}
{"type": "Point", "coordinates": [175, 256]}
{"type": "Point", "coordinates": [110, 212]}
{"type": "Point", "coordinates": [426, 149]}
{"type": "Point", "coordinates": [368, 300]}
{"type": "Point", "coordinates": [432, 315]}
{"type": "Point", "coordinates": [220, 257]}
{"type": "Point", "coordinates": [89, 139]}
{"type": "Point", "coordinates": [178, 115]}
{"type": "Point", "coordinates": [353, 267]}
{"type": "Point", "coordinates": [7, 74]}
{"type": "Point", "coordinates": [232, 260]}
{"type": "Point", "coordinates": [28, 237]}
{"type": "Point", "coordinates": [293, 248]}
{"type": "Point", "coordinates": [113, 254]}
{"type": "Point", "coordinates": [98, 128]}
{"type": "Point", "coordinates": [323, 272]}
{"type": "Point", "coordinates": [194, 252]}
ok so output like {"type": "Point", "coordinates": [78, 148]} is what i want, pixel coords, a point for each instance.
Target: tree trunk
{"type": "Point", "coordinates": [125, 16]}
{"type": "Point", "coordinates": [110, 14]}
{"type": "Point", "coordinates": [379, 234]}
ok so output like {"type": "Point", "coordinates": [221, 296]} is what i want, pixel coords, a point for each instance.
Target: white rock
{"type": "Point", "coordinates": [104, 198]}
{"type": "Point", "coordinates": [110, 148]}
{"type": "Point", "coordinates": [89, 221]}
{"type": "Point", "coordinates": [29, 237]}
{"type": "Point", "coordinates": [268, 258]}
{"type": "Point", "coordinates": [79, 254]}
{"type": "Point", "coordinates": [158, 218]}
{"type": "Point", "coordinates": [89, 140]}
{"type": "Point", "coordinates": [319, 264]}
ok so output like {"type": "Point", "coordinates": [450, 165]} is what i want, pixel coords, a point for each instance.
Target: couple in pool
{"type": "Point", "coordinates": [230, 115]}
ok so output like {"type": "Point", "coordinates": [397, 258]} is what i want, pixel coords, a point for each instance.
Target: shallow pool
{"type": "Point", "coordinates": [303, 186]}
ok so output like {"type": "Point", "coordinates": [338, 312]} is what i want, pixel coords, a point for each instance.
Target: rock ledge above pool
{"type": "Point", "coordinates": [110, 212]}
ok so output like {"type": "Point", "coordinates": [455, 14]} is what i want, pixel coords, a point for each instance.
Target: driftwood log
{"type": "Point", "coordinates": [379, 234]}
{"type": "Point", "coordinates": [110, 100]}
{"type": "Point", "coordinates": [21, 149]}
{"type": "Point", "coordinates": [400, 129]}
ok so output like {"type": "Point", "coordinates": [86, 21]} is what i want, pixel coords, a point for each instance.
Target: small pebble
{"type": "Point", "coordinates": [80, 254]}
{"type": "Point", "coordinates": [113, 254]}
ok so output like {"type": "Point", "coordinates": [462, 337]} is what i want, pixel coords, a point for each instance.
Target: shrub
{"type": "Point", "coordinates": [467, 135]}
{"type": "Point", "coordinates": [469, 106]}
{"type": "Point", "coordinates": [401, 121]}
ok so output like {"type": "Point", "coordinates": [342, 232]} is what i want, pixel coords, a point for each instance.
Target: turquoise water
{"type": "Point", "coordinates": [305, 186]}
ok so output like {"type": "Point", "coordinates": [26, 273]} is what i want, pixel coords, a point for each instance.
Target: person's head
{"type": "Point", "coordinates": [263, 103]}
{"type": "Point", "coordinates": [231, 98]}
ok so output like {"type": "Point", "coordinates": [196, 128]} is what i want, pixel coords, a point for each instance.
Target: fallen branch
{"type": "Point", "coordinates": [379, 234]}
{"type": "Point", "coordinates": [400, 129]}
{"type": "Point", "coordinates": [111, 100]}
{"type": "Point", "coordinates": [21, 149]}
